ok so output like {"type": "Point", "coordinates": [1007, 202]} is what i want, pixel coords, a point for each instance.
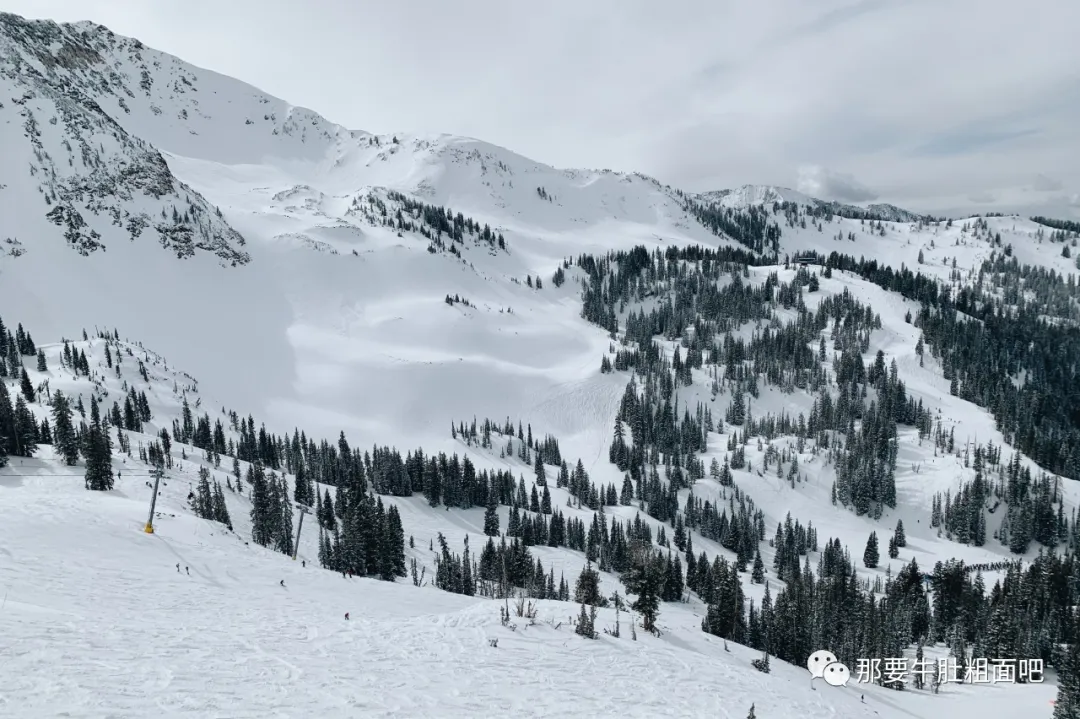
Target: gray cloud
{"type": "Point", "coordinates": [919, 100]}
{"type": "Point", "coordinates": [983, 198]}
{"type": "Point", "coordinates": [1042, 183]}
{"type": "Point", "coordinates": [820, 182]}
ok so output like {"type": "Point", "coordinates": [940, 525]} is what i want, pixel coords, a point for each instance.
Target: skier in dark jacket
{"type": "Point", "coordinates": [283, 582]}
{"type": "Point", "coordinates": [346, 616]}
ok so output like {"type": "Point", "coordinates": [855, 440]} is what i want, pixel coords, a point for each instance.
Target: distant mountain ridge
{"type": "Point", "coordinates": [757, 195]}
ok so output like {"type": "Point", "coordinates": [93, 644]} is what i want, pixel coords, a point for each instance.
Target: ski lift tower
{"type": "Point", "coordinates": [157, 472]}
{"type": "Point", "coordinates": [303, 509]}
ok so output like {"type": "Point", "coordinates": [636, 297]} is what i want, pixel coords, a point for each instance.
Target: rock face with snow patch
{"type": "Point", "coordinates": [90, 179]}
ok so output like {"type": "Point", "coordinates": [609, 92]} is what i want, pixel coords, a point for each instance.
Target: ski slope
{"type": "Point", "coordinates": [97, 622]}
{"type": "Point", "coordinates": [339, 323]}
{"type": "Point", "coordinates": [87, 589]}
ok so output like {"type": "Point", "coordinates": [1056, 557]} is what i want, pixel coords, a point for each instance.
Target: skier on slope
{"type": "Point", "coordinates": [282, 582]}
{"type": "Point", "coordinates": [346, 616]}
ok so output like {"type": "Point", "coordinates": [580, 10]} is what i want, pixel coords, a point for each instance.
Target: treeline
{"type": "Point", "coordinates": [690, 306]}
{"type": "Point", "coordinates": [1033, 507]}
{"type": "Point", "coordinates": [984, 358]}
{"type": "Point", "coordinates": [547, 449]}
{"type": "Point", "coordinates": [1066, 225]}
{"type": "Point", "coordinates": [431, 222]}
{"type": "Point", "coordinates": [749, 226]}
{"type": "Point", "coordinates": [693, 307]}
{"type": "Point", "coordinates": [1024, 615]}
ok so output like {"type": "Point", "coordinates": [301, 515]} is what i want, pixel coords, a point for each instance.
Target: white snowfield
{"type": "Point", "coordinates": [338, 323]}
{"type": "Point", "coordinates": [98, 622]}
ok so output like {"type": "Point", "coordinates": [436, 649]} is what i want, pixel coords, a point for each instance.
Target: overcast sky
{"type": "Point", "coordinates": [935, 104]}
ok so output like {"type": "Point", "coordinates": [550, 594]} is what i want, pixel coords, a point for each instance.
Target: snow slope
{"type": "Point", "coordinates": [375, 317]}
{"type": "Point", "coordinates": [191, 621]}
{"type": "Point", "coordinates": [87, 589]}
{"type": "Point", "coordinates": [331, 320]}
{"type": "Point", "coordinates": [110, 628]}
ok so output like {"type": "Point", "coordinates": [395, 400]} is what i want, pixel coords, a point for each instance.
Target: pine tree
{"type": "Point", "coordinates": [202, 499]}
{"type": "Point", "coordinates": [261, 519]}
{"type": "Point", "coordinates": [64, 442]}
{"type": "Point", "coordinates": [901, 539]}
{"type": "Point", "coordinates": [27, 387]}
{"type": "Point", "coordinates": [220, 509]}
{"type": "Point", "coordinates": [758, 574]}
{"type": "Point", "coordinates": [646, 581]}
{"type": "Point", "coordinates": [1067, 705]}
{"type": "Point", "coordinates": [870, 555]}
{"type": "Point", "coordinates": [395, 540]}
{"type": "Point", "coordinates": [587, 589]}
{"type": "Point", "coordinates": [7, 422]}
{"type": "Point", "coordinates": [918, 679]}
{"type": "Point", "coordinates": [26, 429]}
{"type": "Point", "coordinates": [584, 626]}
{"type": "Point", "coordinates": [491, 516]}
{"type": "Point", "coordinates": [98, 454]}
{"type": "Point", "coordinates": [751, 715]}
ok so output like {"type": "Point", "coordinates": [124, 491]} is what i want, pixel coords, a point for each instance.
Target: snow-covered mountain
{"type": "Point", "coordinates": [79, 159]}
{"type": "Point", "coordinates": [764, 195]}
{"type": "Point", "coordinates": [389, 287]}
{"type": "Point", "coordinates": [755, 195]}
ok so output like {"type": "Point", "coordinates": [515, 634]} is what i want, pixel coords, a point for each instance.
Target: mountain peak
{"type": "Point", "coordinates": [755, 195]}
{"type": "Point", "coordinates": [764, 195]}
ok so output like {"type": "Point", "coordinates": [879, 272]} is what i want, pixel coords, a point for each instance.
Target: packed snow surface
{"type": "Point", "coordinates": [98, 622]}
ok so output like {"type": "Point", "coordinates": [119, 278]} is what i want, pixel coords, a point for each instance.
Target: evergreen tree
{"type": "Point", "coordinates": [220, 509]}
{"type": "Point", "coordinates": [1067, 705]}
{"type": "Point", "coordinates": [585, 627]}
{"type": "Point", "coordinates": [918, 680]}
{"type": "Point", "coordinates": [202, 499]}
{"type": "Point", "coordinates": [587, 589]}
{"type": "Point", "coordinates": [491, 517]}
{"type": "Point", "coordinates": [870, 555]}
{"type": "Point", "coordinates": [64, 441]}
{"type": "Point", "coordinates": [8, 439]}
{"type": "Point", "coordinates": [262, 520]}
{"type": "Point", "coordinates": [98, 453]}
{"type": "Point", "coordinates": [758, 574]}
{"type": "Point", "coordinates": [26, 429]}
{"type": "Point", "coordinates": [27, 387]}
{"type": "Point", "coordinates": [646, 581]}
